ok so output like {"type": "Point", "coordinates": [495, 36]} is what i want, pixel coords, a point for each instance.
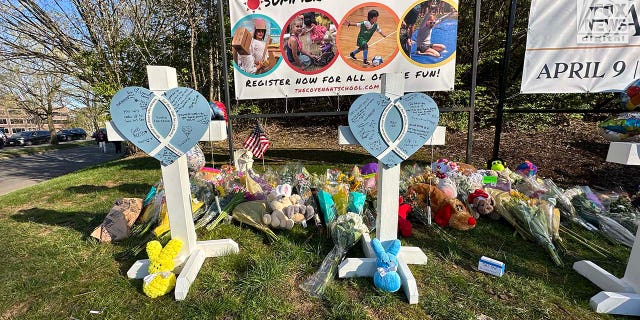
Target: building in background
{"type": "Point", "coordinates": [14, 119]}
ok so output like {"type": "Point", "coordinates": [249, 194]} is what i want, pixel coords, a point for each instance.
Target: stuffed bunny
{"type": "Point", "coordinates": [386, 277]}
{"type": "Point", "coordinates": [161, 278]}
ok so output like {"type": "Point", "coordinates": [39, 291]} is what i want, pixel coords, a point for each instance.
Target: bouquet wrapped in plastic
{"type": "Point", "coordinates": [562, 201]}
{"type": "Point", "coordinates": [528, 220]}
{"type": "Point", "coordinates": [590, 208]}
{"type": "Point", "coordinates": [622, 210]}
{"type": "Point", "coordinates": [411, 174]}
{"type": "Point", "coordinates": [345, 232]}
{"type": "Point", "coordinates": [530, 186]}
{"type": "Point", "coordinates": [302, 183]}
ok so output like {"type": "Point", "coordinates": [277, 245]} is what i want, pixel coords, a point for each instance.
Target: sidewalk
{"type": "Point", "coordinates": [17, 173]}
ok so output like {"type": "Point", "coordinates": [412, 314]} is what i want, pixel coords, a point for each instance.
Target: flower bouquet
{"type": "Point", "coordinates": [419, 209]}
{"type": "Point", "coordinates": [345, 232]}
{"type": "Point", "coordinates": [562, 201]}
{"type": "Point", "coordinates": [250, 213]}
{"type": "Point", "coordinates": [228, 204]}
{"type": "Point", "coordinates": [529, 221]}
{"type": "Point", "coordinates": [623, 211]}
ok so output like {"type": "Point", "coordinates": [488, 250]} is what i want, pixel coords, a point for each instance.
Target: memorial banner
{"type": "Point", "coordinates": [299, 48]}
{"type": "Point", "coordinates": [581, 46]}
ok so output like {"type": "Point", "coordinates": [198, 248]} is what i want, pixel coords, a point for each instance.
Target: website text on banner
{"type": "Point", "coordinates": [302, 48]}
{"type": "Point", "coordinates": [581, 46]}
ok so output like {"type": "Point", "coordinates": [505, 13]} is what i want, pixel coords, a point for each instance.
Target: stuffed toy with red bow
{"type": "Point", "coordinates": [404, 226]}
{"type": "Point", "coordinates": [482, 204]}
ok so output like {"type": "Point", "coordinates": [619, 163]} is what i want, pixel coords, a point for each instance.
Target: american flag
{"type": "Point", "coordinates": [257, 142]}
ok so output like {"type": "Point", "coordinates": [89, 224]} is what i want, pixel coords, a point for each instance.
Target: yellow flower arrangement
{"type": "Point", "coordinates": [519, 195]}
{"type": "Point", "coordinates": [161, 279]}
{"type": "Point", "coordinates": [221, 192]}
{"type": "Point", "coordinates": [164, 222]}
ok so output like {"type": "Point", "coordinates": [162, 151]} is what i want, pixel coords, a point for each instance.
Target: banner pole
{"type": "Point", "coordinates": [225, 78]}
{"type": "Point", "coordinates": [474, 75]}
{"type": "Point", "coordinates": [503, 80]}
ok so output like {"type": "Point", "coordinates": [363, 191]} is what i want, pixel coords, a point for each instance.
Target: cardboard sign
{"type": "Point", "coordinates": [393, 131]}
{"type": "Point", "coordinates": [166, 126]}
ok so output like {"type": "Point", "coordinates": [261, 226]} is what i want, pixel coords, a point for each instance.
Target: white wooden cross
{"type": "Point", "coordinates": [388, 185]}
{"type": "Point", "coordinates": [619, 296]}
{"type": "Point", "coordinates": [178, 196]}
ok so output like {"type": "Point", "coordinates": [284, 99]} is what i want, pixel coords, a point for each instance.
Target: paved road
{"type": "Point", "coordinates": [17, 173]}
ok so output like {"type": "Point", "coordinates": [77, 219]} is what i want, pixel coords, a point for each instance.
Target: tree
{"type": "Point", "coordinates": [34, 89]}
{"type": "Point", "coordinates": [104, 43]}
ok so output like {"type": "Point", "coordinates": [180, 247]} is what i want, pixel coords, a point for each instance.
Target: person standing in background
{"type": "Point", "coordinates": [102, 141]}
{"type": "Point", "coordinates": [118, 146]}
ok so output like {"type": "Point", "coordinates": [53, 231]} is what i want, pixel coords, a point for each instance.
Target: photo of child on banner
{"type": "Point", "coordinates": [359, 27]}
{"type": "Point", "coordinates": [309, 43]}
{"type": "Point", "coordinates": [253, 47]}
{"type": "Point", "coordinates": [428, 31]}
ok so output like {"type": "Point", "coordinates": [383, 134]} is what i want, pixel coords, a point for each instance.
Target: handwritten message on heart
{"type": "Point", "coordinates": [393, 130]}
{"type": "Point", "coordinates": [164, 126]}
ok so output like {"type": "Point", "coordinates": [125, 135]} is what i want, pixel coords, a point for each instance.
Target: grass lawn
{"type": "Point", "coordinates": [53, 270]}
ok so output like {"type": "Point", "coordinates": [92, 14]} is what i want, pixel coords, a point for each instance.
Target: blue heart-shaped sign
{"type": "Point", "coordinates": [165, 126]}
{"type": "Point", "coordinates": [393, 131]}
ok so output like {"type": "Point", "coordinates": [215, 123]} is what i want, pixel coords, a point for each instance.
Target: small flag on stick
{"type": "Point", "coordinates": [257, 142]}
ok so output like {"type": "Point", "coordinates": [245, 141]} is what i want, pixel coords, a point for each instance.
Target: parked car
{"type": "Point", "coordinates": [71, 134]}
{"type": "Point", "coordinates": [27, 138]}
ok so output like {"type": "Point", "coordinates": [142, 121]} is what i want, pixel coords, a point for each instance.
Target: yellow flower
{"type": "Point", "coordinates": [518, 195]}
{"type": "Point", "coordinates": [161, 259]}
{"type": "Point", "coordinates": [161, 279]}
{"type": "Point", "coordinates": [158, 284]}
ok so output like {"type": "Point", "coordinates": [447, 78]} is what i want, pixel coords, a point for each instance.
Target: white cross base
{"type": "Point", "coordinates": [619, 296]}
{"type": "Point", "coordinates": [178, 196]}
{"type": "Point", "coordinates": [387, 207]}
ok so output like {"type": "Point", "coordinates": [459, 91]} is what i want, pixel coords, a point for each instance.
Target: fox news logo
{"type": "Point", "coordinates": [604, 21]}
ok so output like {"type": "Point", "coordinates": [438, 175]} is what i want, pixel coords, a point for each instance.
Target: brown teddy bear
{"type": "Point", "coordinates": [447, 212]}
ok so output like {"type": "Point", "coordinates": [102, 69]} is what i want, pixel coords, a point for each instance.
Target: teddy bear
{"type": "Point", "coordinates": [386, 277]}
{"type": "Point", "coordinates": [287, 209]}
{"type": "Point", "coordinates": [404, 226]}
{"type": "Point", "coordinates": [501, 181]}
{"type": "Point", "coordinates": [448, 212]}
{"type": "Point", "coordinates": [482, 204]}
{"type": "Point", "coordinates": [161, 279]}
{"type": "Point", "coordinates": [299, 213]}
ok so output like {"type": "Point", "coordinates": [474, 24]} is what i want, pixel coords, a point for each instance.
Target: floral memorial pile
{"type": "Point", "coordinates": [446, 194]}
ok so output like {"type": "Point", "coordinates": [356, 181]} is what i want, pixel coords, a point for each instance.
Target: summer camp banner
{"type": "Point", "coordinates": [303, 48]}
{"type": "Point", "coordinates": [581, 46]}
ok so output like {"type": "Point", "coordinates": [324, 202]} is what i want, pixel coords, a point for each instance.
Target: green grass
{"type": "Point", "coordinates": [53, 270]}
{"type": "Point", "coordinates": [13, 152]}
